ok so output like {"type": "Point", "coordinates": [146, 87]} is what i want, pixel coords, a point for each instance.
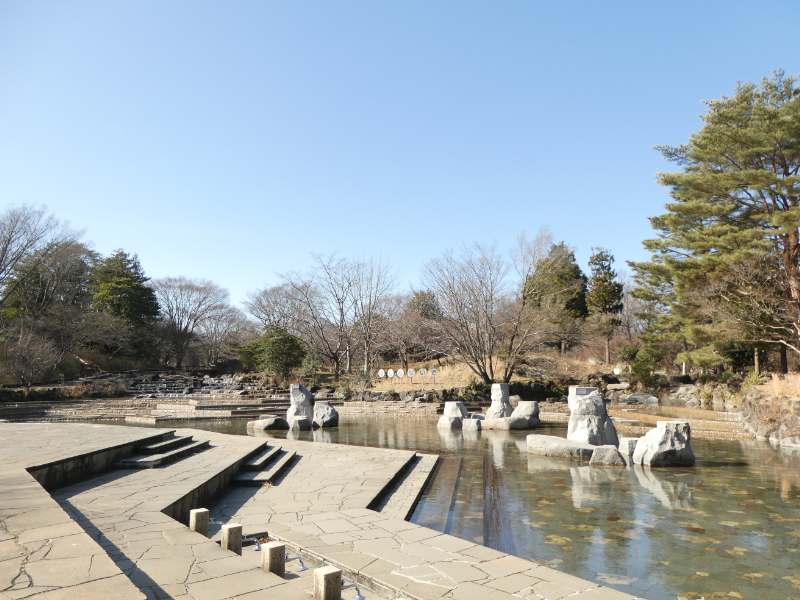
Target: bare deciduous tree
{"type": "Point", "coordinates": [26, 356]}
{"type": "Point", "coordinates": [275, 306]}
{"type": "Point", "coordinates": [326, 314]}
{"type": "Point", "coordinates": [224, 329]}
{"type": "Point", "coordinates": [493, 310]}
{"type": "Point", "coordinates": [185, 304]}
{"type": "Point", "coordinates": [373, 283]}
{"type": "Point", "coordinates": [27, 232]}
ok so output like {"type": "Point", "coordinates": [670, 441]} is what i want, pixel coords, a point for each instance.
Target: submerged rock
{"type": "Point", "coordinates": [550, 445]}
{"type": "Point", "coordinates": [449, 422]}
{"type": "Point", "coordinates": [472, 424]}
{"type": "Point", "coordinates": [299, 424]}
{"type": "Point", "coordinates": [668, 445]}
{"type": "Point", "coordinates": [268, 424]}
{"type": "Point", "coordinates": [608, 455]}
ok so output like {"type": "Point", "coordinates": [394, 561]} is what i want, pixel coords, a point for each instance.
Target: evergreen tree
{"type": "Point", "coordinates": [276, 352]}
{"type": "Point", "coordinates": [560, 288]}
{"type": "Point", "coordinates": [729, 243]}
{"type": "Point", "coordinates": [118, 283]}
{"type": "Point", "coordinates": [604, 298]}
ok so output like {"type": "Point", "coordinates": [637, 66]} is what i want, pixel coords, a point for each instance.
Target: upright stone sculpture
{"type": "Point", "coordinates": [300, 404]}
{"type": "Point", "coordinates": [325, 415]}
{"type": "Point", "coordinates": [500, 407]}
{"type": "Point", "coordinates": [668, 445]}
{"type": "Point", "coordinates": [589, 422]}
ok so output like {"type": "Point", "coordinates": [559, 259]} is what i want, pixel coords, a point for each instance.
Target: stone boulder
{"type": "Point", "coordinates": [300, 403]}
{"type": "Point", "coordinates": [627, 445]}
{"type": "Point", "coordinates": [472, 424]}
{"type": "Point", "coordinates": [268, 424]}
{"type": "Point", "coordinates": [641, 398]}
{"type": "Point", "coordinates": [668, 445]}
{"type": "Point", "coordinates": [608, 455]}
{"type": "Point", "coordinates": [528, 410]}
{"type": "Point", "coordinates": [550, 445]}
{"type": "Point", "coordinates": [500, 407]}
{"type": "Point", "coordinates": [505, 423]}
{"type": "Point", "coordinates": [299, 424]}
{"type": "Point", "coordinates": [589, 422]}
{"type": "Point", "coordinates": [450, 422]}
{"type": "Point", "coordinates": [454, 408]}
{"type": "Point", "coordinates": [477, 416]}
{"type": "Point", "coordinates": [325, 415]}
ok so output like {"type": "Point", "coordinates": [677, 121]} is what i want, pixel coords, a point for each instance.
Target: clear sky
{"type": "Point", "coordinates": [229, 140]}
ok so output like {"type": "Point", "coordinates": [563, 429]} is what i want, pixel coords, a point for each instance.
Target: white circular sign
{"type": "Point", "coordinates": [411, 372]}
{"type": "Point", "coordinates": [400, 372]}
{"type": "Point", "coordinates": [423, 372]}
{"type": "Point", "coordinates": [434, 372]}
{"type": "Point", "coordinates": [390, 373]}
{"type": "Point", "coordinates": [381, 373]}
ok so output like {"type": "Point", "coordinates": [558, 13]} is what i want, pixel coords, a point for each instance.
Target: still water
{"type": "Point", "coordinates": [728, 527]}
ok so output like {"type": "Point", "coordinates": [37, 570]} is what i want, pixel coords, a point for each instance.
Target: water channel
{"type": "Point", "coordinates": [728, 527]}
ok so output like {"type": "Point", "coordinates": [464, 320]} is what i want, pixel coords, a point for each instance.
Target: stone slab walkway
{"type": "Point", "coordinates": [119, 533]}
{"type": "Point", "coordinates": [403, 500]}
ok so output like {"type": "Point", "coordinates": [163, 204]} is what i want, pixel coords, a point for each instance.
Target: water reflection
{"type": "Point", "coordinates": [728, 527]}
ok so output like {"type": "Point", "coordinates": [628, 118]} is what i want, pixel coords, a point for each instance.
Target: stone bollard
{"type": "Point", "coordinates": [232, 538]}
{"type": "Point", "coordinates": [273, 558]}
{"type": "Point", "coordinates": [327, 583]}
{"type": "Point", "coordinates": [198, 520]}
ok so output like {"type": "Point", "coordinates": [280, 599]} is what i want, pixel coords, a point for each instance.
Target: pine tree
{"type": "Point", "coordinates": [604, 298]}
{"type": "Point", "coordinates": [729, 244]}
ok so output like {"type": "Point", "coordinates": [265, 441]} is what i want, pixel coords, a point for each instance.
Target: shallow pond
{"type": "Point", "coordinates": [729, 527]}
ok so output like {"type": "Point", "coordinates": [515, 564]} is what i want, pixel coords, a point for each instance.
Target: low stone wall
{"type": "Point", "coordinates": [772, 416]}
{"type": "Point", "coordinates": [388, 407]}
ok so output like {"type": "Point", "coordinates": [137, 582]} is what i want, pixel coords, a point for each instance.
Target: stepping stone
{"type": "Point", "coordinates": [259, 462]}
{"type": "Point", "coordinates": [263, 477]}
{"type": "Point", "coordinates": [157, 460]}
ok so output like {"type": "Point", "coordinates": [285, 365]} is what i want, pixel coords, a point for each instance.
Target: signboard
{"type": "Point", "coordinates": [411, 372]}
{"type": "Point", "coordinates": [390, 373]}
{"type": "Point", "coordinates": [400, 372]}
{"type": "Point", "coordinates": [381, 373]}
{"type": "Point", "coordinates": [423, 372]}
{"type": "Point", "coordinates": [584, 391]}
{"type": "Point", "coordinates": [434, 372]}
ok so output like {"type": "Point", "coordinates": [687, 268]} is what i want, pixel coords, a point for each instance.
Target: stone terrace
{"type": "Point", "coordinates": [120, 533]}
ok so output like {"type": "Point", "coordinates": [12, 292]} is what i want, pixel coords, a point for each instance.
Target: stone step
{"type": "Point", "coordinates": [259, 478]}
{"type": "Point", "coordinates": [164, 445]}
{"type": "Point", "coordinates": [261, 460]}
{"type": "Point", "coordinates": [158, 460]}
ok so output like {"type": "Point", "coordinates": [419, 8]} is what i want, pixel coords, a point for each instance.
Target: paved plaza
{"type": "Point", "coordinates": [73, 526]}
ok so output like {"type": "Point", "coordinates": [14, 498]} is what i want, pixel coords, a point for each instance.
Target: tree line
{"type": "Point", "coordinates": [722, 288]}
{"type": "Point", "coordinates": [64, 308]}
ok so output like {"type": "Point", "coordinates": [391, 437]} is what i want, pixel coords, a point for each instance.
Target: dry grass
{"type": "Point", "coordinates": [541, 366]}
{"type": "Point", "coordinates": [787, 385]}
{"type": "Point", "coordinates": [82, 390]}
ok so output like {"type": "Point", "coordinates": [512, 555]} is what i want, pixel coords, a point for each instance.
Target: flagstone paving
{"type": "Point", "coordinates": [110, 536]}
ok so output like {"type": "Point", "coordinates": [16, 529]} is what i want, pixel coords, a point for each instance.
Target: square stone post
{"type": "Point", "coordinates": [327, 583]}
{"type": "Point", "coordinates": [198, 520]}
{"type": "Point", "coordinates": [273, 558]}
{"type": "Point", "coordinates": [232, 538]}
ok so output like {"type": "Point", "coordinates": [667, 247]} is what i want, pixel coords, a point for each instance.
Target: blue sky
{"type": "Point", "coordinates": [230, 140]}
